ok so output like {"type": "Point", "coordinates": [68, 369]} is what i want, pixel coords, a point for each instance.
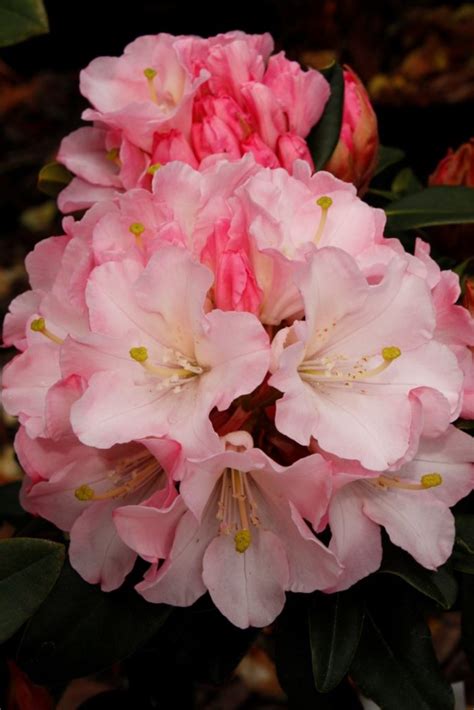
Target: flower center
{"type": "Point", "coordinates": [237, 509]}
{"type": "Point", "coordinates": [174, 370]}
{"type": "Point", "coordinates": [335, 368]}
{"type": "Point", "coordinates": [128, 475]}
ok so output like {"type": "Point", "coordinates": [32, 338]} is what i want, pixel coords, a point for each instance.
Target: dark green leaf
{"type": "Point", "coordinates": [395, 664]}
{"type": "Point", "coordinates": [53, 178]}
{"type": "Point", "coordinates": [10, 508]}
{"type": "Point", "coordinates": [80, 629]}
{"type": "Point", "coordinates": [28, 570]}
{"type": "Point", "coordinates": [387, 157]}
{"type": "Point", "coordinates": [335, 625]}
{"type": "Point", "coordinates": [406, 183]}
{"type": "Point", "coordinates": [21, 19]}
{"type": "Point", "coordinates": [431, 206]}
{"type": "Point", "coordinates": [324, 136]}
{"type": "Point", "coordinates": [439, 586]}
{"type": "Point", "coordinates": [294, 668]}
{"type": "Point", "coordinates": [463, 553]}
{"type": "Point", "coordinates": [467, 616]}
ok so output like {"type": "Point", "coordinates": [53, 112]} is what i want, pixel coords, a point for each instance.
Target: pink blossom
{"type": "Point", "coordinates": [77, 488]}
{"type": "Point", "coordinates": [358, 359]}
{"type": "Point", "coordinates": [246, 555]}
{"type": "Point", "coordinates": [156, 363]}
{"type": "Point", "coordinates": [187, 98]}
{"type": "Point", "coordinates": [412, 504]}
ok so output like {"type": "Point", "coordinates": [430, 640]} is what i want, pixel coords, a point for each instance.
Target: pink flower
{"type": "Point", "coordinates": [412, 504]}
{"type": "Point", "coordinates": [77, 488]}
{"type": "Point", "coordinates": [146, 89]}
{"type": "Point", "coordinates": [156, 363]}
{"type": "Point", "coordinates": [355, 156]}
{"type": "Point", "coordinates": [357, 361]}
{"type": "Point", "coordinates": [186, 98]}
{"type": "Point", "coordinates": [239, 532]}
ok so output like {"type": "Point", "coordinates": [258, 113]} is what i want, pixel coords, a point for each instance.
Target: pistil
{"type": "Point", "coordinates": [325, 203]}
{"type": "Point", "coordinates": [150, 75]}
{"type": "Point", "coordinates": [428, 480]}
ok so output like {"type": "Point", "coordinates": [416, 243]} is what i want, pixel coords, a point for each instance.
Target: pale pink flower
{"type": "Point", "coordinates": [77, 488]}
{"type": "Point", "coordinates": [358, 360]}
{"type": "Point", "coordinates": [412, 504]}
{"type": "Point", "coordinates": [239, 531]}
{"type": "Point", "coordinates": [156, 362]}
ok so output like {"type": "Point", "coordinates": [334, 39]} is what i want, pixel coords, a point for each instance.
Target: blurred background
{"type": "Point", "coordinates": [416, 59]}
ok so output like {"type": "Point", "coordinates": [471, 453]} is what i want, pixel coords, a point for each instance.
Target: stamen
{"type": "Point", "coordinates": [172, 374]}
{"type": "Point", "coordinates": [137, 229]}
{"type": "Point", "coordinates": [357, 372]}
{"type": "Point", "coordinates": [325, 203]}
{"type": "Point", "coordinates": [233, 509]}
{"type": "Point", "coordinates": [39, 326]}
{"type": "Point", "coordinates": [149, 76]}
{"type": "Point", "coordinates": [84, 492]}
{"type": "Point", "coordinates": [153, 168]}
{"type": "Point", "coordinates": [429, 480]}
{"type": "Point", "coordinates": [135, 474]}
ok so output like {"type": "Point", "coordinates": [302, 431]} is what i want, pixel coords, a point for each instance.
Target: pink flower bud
{"type": "Point", "coordinates": [468, 299]}
{"type": "Point", "coordinates": [355, 156]}
{"type": "Point", "coordinates": [456, 168]}
{"type": "Point", "coordinates": [291, 147]}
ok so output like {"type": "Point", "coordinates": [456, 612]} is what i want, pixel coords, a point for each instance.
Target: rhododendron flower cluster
{"type": "Point", "coordinates": [222, 360]}
{"type": "Point", "coordinates": [186, 98]}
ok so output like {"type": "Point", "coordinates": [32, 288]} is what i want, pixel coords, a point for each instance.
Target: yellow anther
{"type": "Point", "coordinates": [112, 154]}
{"type": "Point", "coordinates": [38, 325]}
{"type": "Point", "coordinates": [150, 73]}
{"type": "Point", "coordinates": [431, 480]}
{"type": "Point", "coordinates": [84, 492]}
{"type": "Point", "coordinates": [139, 354]}
{"type": "Point", "coordinates": [324, 202]}
{"type": "Point", "coordinates": [137, 228]}
{"type": "Point", "coordinates": [242, 540]}
{"type": "Point", "coordinates": [153, 168]}
{"type": "Point", "coordinates": [391, 353]}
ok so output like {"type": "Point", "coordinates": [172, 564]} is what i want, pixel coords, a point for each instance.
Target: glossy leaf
{"type": "Point", "coordinates": [440, 586]}
{"type": "Point", "coordinates": [53, 178]}
{"type": "Point", "coordinates": [28, 571]}
{"type": "Point", "coordinates": [80, 629]}
{"type": "Point", "coordinates": [294, 667]}
{"type": "Point", "coordinates": [395, 664]}
{"type": "Point", "coordinates": [324, 136]}
{"type": "Point", "coordinates": [467, 616]}
{"type": "Point", "coordinates": [429, 207]}
{"type": "Point", "coordinates": [463, 553]}
{"type": "Point", "coordinates": [21, 19]}
{"type": "Point", "coordinates": [388, 156]}
{"type": "Point", "coordinates": [335, 625]}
